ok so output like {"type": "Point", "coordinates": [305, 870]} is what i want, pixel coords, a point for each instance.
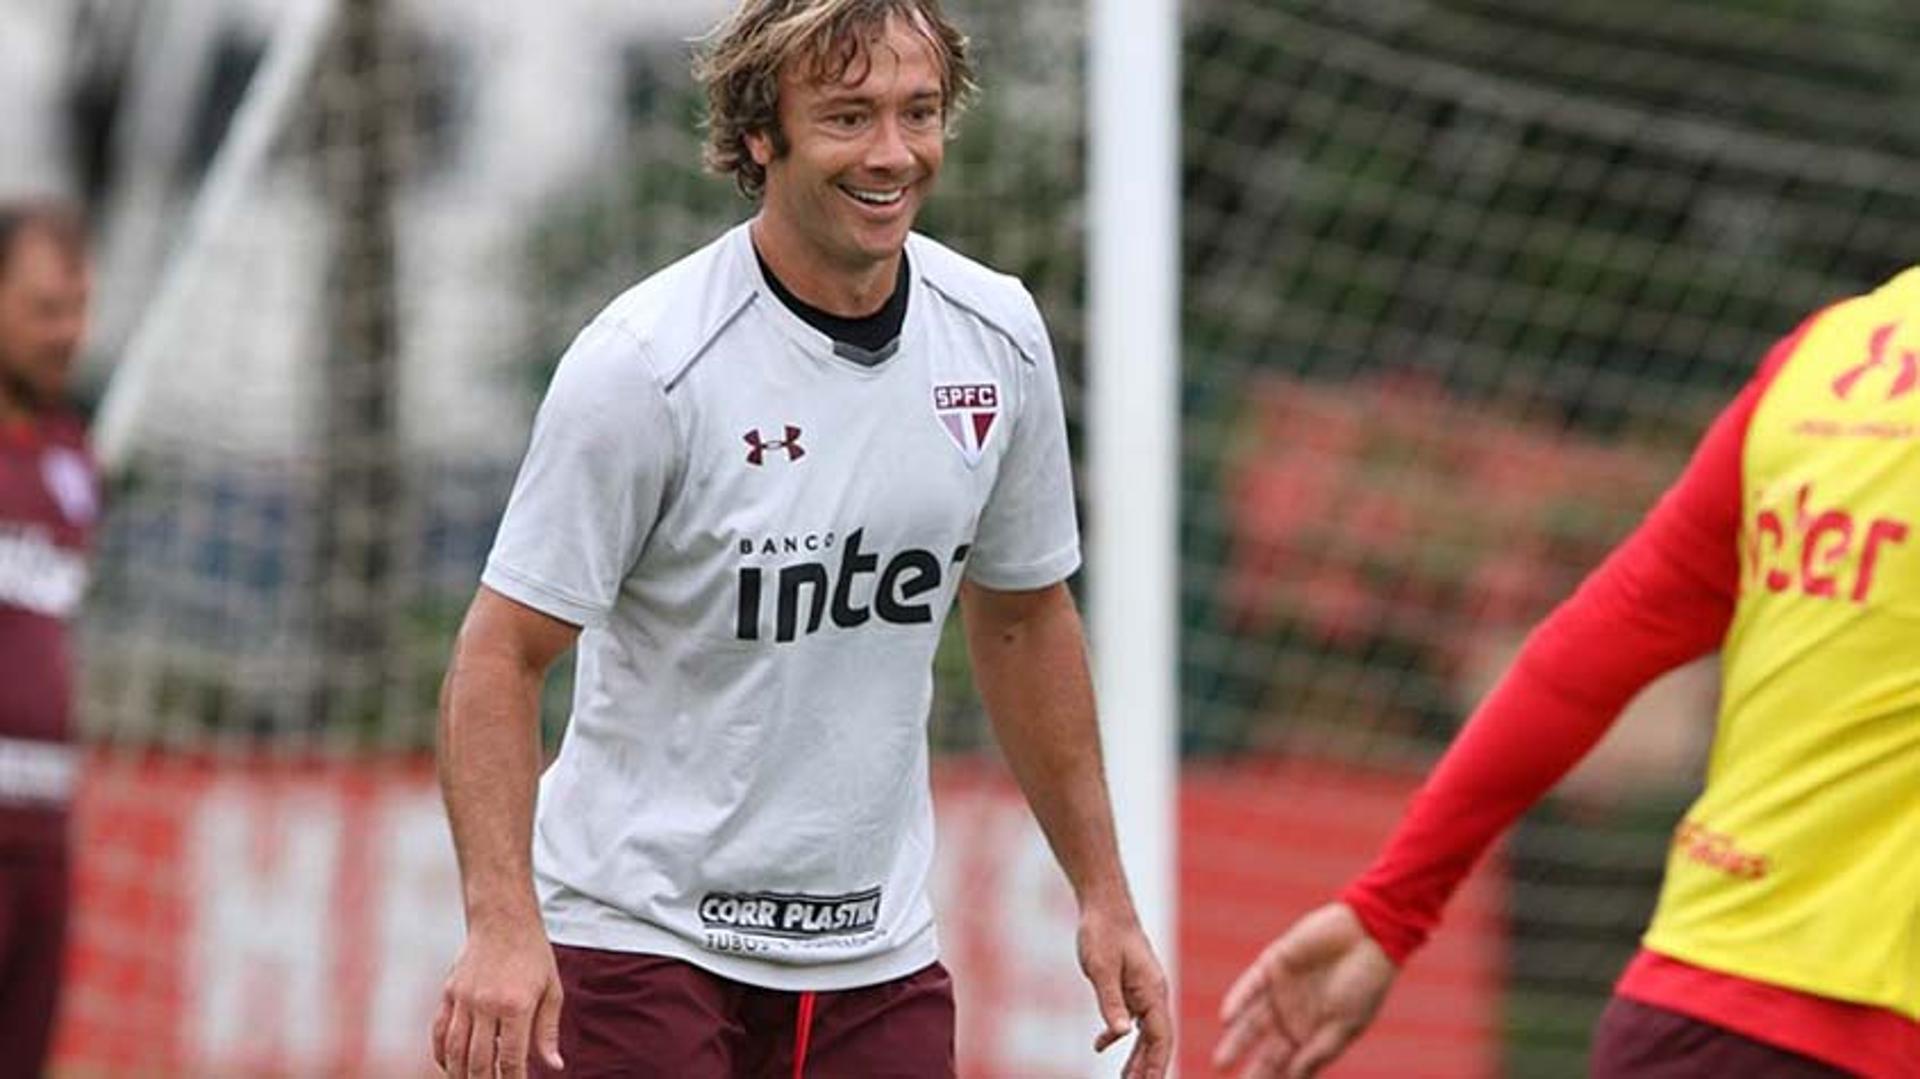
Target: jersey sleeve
{"type": "Point", "coordinates": [1663, 597]}
{"type": "Point", "coordinates": [596, 474]}
{"type": "Point", "coordinates": [1028, 537]}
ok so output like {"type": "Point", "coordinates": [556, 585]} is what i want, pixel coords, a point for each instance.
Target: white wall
{"type": "Point", "coordinates": [538, 111]}
{"type": "Point", "coordinates": [33, 43]}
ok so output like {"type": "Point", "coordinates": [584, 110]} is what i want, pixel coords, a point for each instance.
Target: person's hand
{"type": "Point", "coordinates": [1311, 992]}
{"type": "Point", "coordinates": [1130, 987]}
{"type": "Point", "coordinates": [502, 994]}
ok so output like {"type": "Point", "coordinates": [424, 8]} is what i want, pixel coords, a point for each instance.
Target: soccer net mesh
{"type": "Point", "coordinates": [1462, 282]}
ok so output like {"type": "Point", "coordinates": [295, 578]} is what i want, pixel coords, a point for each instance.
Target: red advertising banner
{"type": "Point", "coordinates": [247, 917]}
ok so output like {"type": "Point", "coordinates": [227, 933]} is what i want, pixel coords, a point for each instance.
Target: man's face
{"type": "Point", "coordinates": [44, 288]}
{"type": "Point", "coordinates": [862, 152]}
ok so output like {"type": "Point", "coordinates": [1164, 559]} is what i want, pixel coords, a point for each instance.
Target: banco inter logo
{"type": "Point", "coordinates": [795, 917]}
{"type": "Point", "coordinates": [855, 588]}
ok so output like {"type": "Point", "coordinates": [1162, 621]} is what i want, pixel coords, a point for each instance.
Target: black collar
{"type": "Point", "coordinates": [869, 339]}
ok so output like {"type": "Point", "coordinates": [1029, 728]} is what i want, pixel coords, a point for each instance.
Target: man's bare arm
{"type": "Point", "coordinates": [1029, 661]}
{"type": "Point", "coordinates": [504, 989]}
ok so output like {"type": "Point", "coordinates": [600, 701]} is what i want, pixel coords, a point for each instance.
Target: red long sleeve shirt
{"type": "Point", "coordinates": [1666, 596]}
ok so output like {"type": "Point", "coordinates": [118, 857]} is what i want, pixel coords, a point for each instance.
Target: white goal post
{"type": "Point", "coordinates": [1133, 368]}
{"type": "Point", "coordinates": [277, 88]}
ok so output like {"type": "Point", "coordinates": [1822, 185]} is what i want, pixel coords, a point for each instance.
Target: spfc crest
{"type": "Point", "coordinates": [969, 411]}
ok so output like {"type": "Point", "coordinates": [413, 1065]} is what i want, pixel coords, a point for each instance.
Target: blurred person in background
{"type": "Point", "coordinates": [1786, 942]}
{"type": "Point", "coordinates": [49, 500]}
{"type": "Point", "coordinates": [756, 486]}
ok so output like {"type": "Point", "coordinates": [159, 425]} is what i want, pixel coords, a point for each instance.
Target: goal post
{"type": "Point", "coordinates": [266, 112]}
{"type": "Point", "coordinates": [1132, 458]}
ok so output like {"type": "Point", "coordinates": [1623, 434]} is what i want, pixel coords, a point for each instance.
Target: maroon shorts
{"type": "Point", "coordinates": [1639, 1041]}
{"type": "Point", "coordinates": [33, 933]}
{"type": "Point", "coordinates": [649, 1017]}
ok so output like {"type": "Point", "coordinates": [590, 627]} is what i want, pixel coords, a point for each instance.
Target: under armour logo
{"type": "Point", "coordinates": [757, 445]}
{"type": "Point", "coordinates": [1903, 382]}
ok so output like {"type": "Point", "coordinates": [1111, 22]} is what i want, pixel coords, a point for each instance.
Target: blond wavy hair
{"type": "Point", "coordinates": [740, 61]}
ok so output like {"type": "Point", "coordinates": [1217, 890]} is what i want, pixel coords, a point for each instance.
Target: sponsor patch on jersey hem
{"type": "Point", "coordinates": [789, 916]}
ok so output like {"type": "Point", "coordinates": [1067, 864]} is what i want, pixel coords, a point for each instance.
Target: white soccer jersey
{"type": "Point", "coordinates": [762, 540]}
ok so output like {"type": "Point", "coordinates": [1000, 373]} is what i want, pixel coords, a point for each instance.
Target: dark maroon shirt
{"type": "Point", "coordinates": [49, 502]}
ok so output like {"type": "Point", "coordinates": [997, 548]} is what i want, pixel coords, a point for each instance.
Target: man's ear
{"type": "Point", "coordinates": [760, 147]}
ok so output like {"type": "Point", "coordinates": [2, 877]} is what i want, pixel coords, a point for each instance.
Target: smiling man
{"type": "Point", "coordinates": [759, 481]}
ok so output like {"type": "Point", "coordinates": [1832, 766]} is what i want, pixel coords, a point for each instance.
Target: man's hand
{"type": "Point", "coordinates": [1130, 987]}
{"type": "Point", "coordinates": [1313, 990]}
{"type": "Point", "coordinates": [504, 989]}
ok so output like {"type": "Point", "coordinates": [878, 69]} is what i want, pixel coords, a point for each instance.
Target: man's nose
{"type": "Point", "coordinates": [888, 151]}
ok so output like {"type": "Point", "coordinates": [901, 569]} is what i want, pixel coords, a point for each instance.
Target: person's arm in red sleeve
{"type": "Point", "coordinates": [1663, 597]}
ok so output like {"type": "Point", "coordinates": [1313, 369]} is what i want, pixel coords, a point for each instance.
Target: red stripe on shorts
{"type": "Point", "coordinates": [803, 1031]}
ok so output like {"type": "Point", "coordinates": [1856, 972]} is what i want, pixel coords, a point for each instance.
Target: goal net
{"type": "Point", "coordinates": [1464, 281]}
